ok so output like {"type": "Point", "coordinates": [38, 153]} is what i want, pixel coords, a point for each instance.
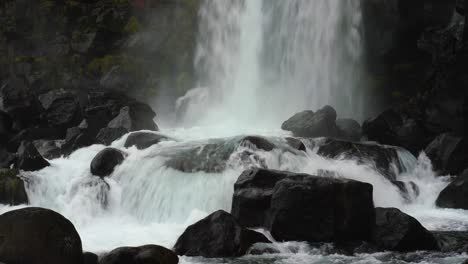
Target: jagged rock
{"type": "Point", "coordinates": [108, 135]}
{"type": "Point", "coordinates": [296, 144]}
{"type": "Point", "coordinates": [448, 154]}
{"type": "Point", "coordinates": [385, 158]}
{"type": "Point", "coordinates": [90, 258]}
{"type": "Point", "coordinates": [452, 241]}
{"type": "Point", "coordinates": [143, 140]}
{"type": "Point", "coordinates": [12, 190]}
{"type": "Point", "coordinates": [61, 109]}
{"type": "Point", "coordinates": [76, 138]}
{"type": "Point", "coordinates": [104, 163]}
{"type": "Point", "coordinates": [257, 142]}
{"type": "Point", "coordinates": [32, 134]}
{"type": "Point", "coordinates": [134, 118]}
{"type": "Point", "coordinates": [38, 236]}
{"type": "Point", "coordinates": [349, 129]}
{"type": "Point", "coordinates": [394, 128]}
{"type": "Point", "coordinates": [49, 149]}
{"type": "Point", "coordinates": [310, 124]}
{"type": "Point", "coordinates": [317, 209]}
{"type": "Point", "coordinates": [148, 254]}
{"type": "Point", "coordinates": [29, 159]}
{"type": "Point", "coordinates": [456, 194]}
{"type": "Point", "coordinates": [216, 236]}
{"type": "Point", "coordinates": [398, 231]}
{"type": "Point", "coordinates": [6, 159]}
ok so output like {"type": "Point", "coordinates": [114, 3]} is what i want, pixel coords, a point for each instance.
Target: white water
{"type": "Point", "coordinates": [260, 61]}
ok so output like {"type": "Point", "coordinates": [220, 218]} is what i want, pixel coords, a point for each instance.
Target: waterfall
{"type": "Point", "coordinates": [262, 61]}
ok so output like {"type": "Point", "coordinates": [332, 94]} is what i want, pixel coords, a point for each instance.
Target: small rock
{"type": "Point", "coordinates": [29, 159]}
{"type": "Point", "coordinates": [148, 254]}
{"type": "Point", "coordinates": [104, 163]}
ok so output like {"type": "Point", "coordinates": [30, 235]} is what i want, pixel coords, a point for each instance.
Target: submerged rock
{"type": "Point", "coordinates": [12, 190]}
{"type": "Point", "coordinates": [296, 144]}
{"type": "Point", "coordinates": [310, 124]}
{"type": "Point", "coordinates": [317, 209]}
{"type": "Point", "coordinates": [29, 159]}
{"type": "Point", "coordinates": [448, 154]}
{"type": "Point", "coordinates": [148, 254]}
{"type": "Point", "coordinates": [452, 241]}
{"type": "Point", "coordinates": [143, 140]}
{"type": "Point", "coordinates": [38, 236]}
{"type": "Point", "coordinates": [398, 231]}
{"type": "Point", "coordinates": [216, 236]}
{"type": "Point", "coordinates": [257, 142]}
{"type": "Point", "coordinates": [108, 135]}
{"type": "Point", "coordinates": [104, 163]}
{"type": "Point", "coordinates": [455, 195]}
{"type": "Point", "coordinates": [385, 158]}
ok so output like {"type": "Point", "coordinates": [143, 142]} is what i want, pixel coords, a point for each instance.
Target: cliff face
{"type": "Point", "coordinates": [134, 46]}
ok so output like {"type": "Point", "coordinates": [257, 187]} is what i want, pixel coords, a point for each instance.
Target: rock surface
{"type": "Point", "coordinates": [216, 236]}
{"type": "Point", "coordinates": [310, 124]}
{"type": "Point", "coordinates": [29, 159]}
{"type": "Point", "coordinates": [104, 163]}
{"type": "Point", "coordinates": [143, 140]}
{"type": "Point", "coordinates": [455, 195]}
{"type": "Point", "coordinates": [12, 190]}
{"type": "Point", "coordinates": [148, 254]}
{"type": "Point", "coordinates": [38, 236]}
{"type": "Point", "coordinates": [448, 154]}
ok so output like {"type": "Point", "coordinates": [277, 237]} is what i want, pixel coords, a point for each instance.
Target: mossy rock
{"type": "Point", "coordinates": [12, 190]}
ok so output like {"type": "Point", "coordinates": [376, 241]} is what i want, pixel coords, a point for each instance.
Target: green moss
{"type": "Point", "coordinates": [12, 189]}
{"type": "Point", "coordinates": [132, 26]}
{"type": "Point", "coordinates": [103, 64]}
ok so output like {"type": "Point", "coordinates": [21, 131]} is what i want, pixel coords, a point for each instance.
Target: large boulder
{"type": "Point", "coordinates": [104, 163]}
{"type": "Point", "coordinates": [29, 159]}
{"type": "Point", "coordinates": [76, 138]}
{"type": "Point", "coordinates": [456, 194]}
{"type": "Point", "coordinates": [397, 231]}
{"type": "Point", "coordinates": [310, 124]}
{"type": "Point", "coordinates": [61, 109]}
{"type": "Point", "coordinates": [448, 154]}
{"type": "Point", "coordinates": [349, 129]}
{"type": "Point", "coordinates": [134, 118]}
{"type": "Point", "coordinates": [392, 127]}
{"type": "Point", "coordinates": [12, 190]}
{"type": "Point", "coordinates": [148, 254]}
{"type": "Point", "coordinates": [90, 258]}
{"type": "Point", "coordinates": [317, 209]}
{"type": "Point", "coordinates": [143, 140]}
{"type": "Point", "coordinates": [38, 236]}
{"type": "Point", "coordinates": [216, 236]}
{"type": "Point", "coordinates": [384, 158]}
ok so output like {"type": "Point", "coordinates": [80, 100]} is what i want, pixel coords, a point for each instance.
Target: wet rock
{"type": "Point", "coordinates": [148, 254]}
{"type": "Point", "coordinates": [448, 154]}
{"type": "Point", "coordinates": [456, 194]}
{"type": "Point", "coordinates": [32, 134]}
{"type": "Point", "coordinates": [398, 231]}
{"type": "Point", "coordinates": [134, 119]}
{"type": "Point", "coordinates": [108, 135]}
{"type": "Point", "coordinates": [452, 241]}
{"type": "Point", "coordinates": [317, 209]}
{"type": "Point", "coordinates": [29, 159]}
{"type": "Point", "coordinates": [7, 159]}
{"type": "Point", "coordinates": [349, 129]}
{"type": "Point", "coordinates": [394, 128]}
{"type": "Point", "coordinates": [216, 236]}
{"type": "Point", "coordinates": [90, 258]}
{"type": "Point", "coordinates": [38, 236]}
{"type": "Point", "coordinates": [76, 138]}
{"type": "Point", "coordinates": [61, 109]}
{"type": "Point", "coordinates": [104, 163]}
{"type": "Point", "coordinates": [385, 158]}
{"type": "Point", "coordinates": [296, 144]}
{"type": "Point", "coordinates": [49, 149]}
{"type": "Point", "coordinates": [12, 190]}
{"type": "Point", "coordinates": [310, 124]}
{"type": "Point", "coordinates": [257, 142]}
{"type": "Point", "coordinates": [252, 196]}
{"type": "Point", "coordinates": [143, 140]}
{"type": "Point", "coordinates": [6, 125]}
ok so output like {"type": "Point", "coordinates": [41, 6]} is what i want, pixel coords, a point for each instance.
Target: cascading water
{"type": "Point", "coordinates": [262, 61]}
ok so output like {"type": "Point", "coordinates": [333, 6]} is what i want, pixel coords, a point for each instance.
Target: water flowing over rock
{"type": "Point", "coordinates": [148, 254]}
{"type": "Point", "coordinates": [12, 189]}
{"type": "Point", "coordinates": [398, 231]}
{"type": "Point", "coordinates": [452, 241]}
{"type": "Point", "coordinates": [38, 236]}
{"type": "Point", "coordinates": [104, 163]}
{"type": "Point", "coordinates": [29, 158]}
{"type": "Point", "coordinates": [216, 236]}
{"type": "Point", "coordinates": [143, 140]}
{"type": "Point", "coordinates": [456, 194]}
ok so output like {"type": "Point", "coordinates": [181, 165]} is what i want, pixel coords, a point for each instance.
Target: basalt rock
{"type": "Point", "coordinates": [12, 190]}
{"type": "Point", "coordinates": [310, 124]}
{"type": "Point", "coordinates": [296, 144]}
{"type": "Point", "coordinates": [143, 140]}
{"type": "Point", "coordinates": [104, 163]}
{"type": "Point", "coordinates": [38, 236]}
{"type": "Point", "coordinates": [349, 129]}
{"type": "Point", "coordinates": [108, 135]}
{"type": "Point", "coordinates": [29, 159]}
{"type": "Point", "coordinates": [61, 109]}
{"type": "Point", "coordinates": [216, 236]}
{"type": "Point", "coordinates": [90, 258]}
{"type": "Point", "coordinates": [134, 118]}
{"type": "Point", "coordinates": [448, 154]}
{"type": "Point", "coordinates": [49, 149]}
{"type": "Point", "coordinates": [452, 241]}
{"type": "Point", "coordinates": [148, 254]}
{"type": "Point", "coordinates": [456, 194]}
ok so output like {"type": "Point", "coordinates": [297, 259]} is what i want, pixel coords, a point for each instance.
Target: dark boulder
{"type": "Point", "coordinates": [134, 118]}
{"type": "Point", "coordinates": [104, 163]}
{"type": "Point", "coordinates": [12, 190]}
{"type": "Point", "coordinates": [349, 129]}
{"type": "Point", "coordinates": [296, 144]}
{"type": "Point", "coordinates": [38, 236]}
{"type": "Point", "coordinates": [384, 158]}
{"type": "Point", "coordinates": [32, 134]}
{"type": "Point", "coordinates": [397, 231]}
{"type": "Point", "coordinates": [6, 159]}
{"type": "Point", "coordinates": [61, 109]}
{"type": "Point", "coordinates": [143, 140]}
{"type": "Point", "coordinates": [448, 154]}
{"type": "Point", "coordinates": [317, 209]}
{"type": "Point", "coordinates": [6, 125]}
{"type": "Point", "coordinates": [456, 194]}
{"type": "Point", "coordinates": [452, 241]}
{"type": "Point", "coordinates": [216, 236]}
{"type": "Point", "coordinates": [148, 254]}
{"type": "Point", "coordinates": [49, 149]}
{"type": "Point", "coordinates": [76, 138]}
{"type": "Point", "coordinates": [392, 127]}
{"type": "Point", "coordinates": [108, 135]}
{"type": "Point", "coordinates": [310, 124]}
{"type": "Point", "coordinates": [257, 143]}
{"type": "Point", "coordinates": [90, 258]}
{"type": "Point", "coordinates": [252, 196]}
{"type": "Point", "coordinates": [29, 159]}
